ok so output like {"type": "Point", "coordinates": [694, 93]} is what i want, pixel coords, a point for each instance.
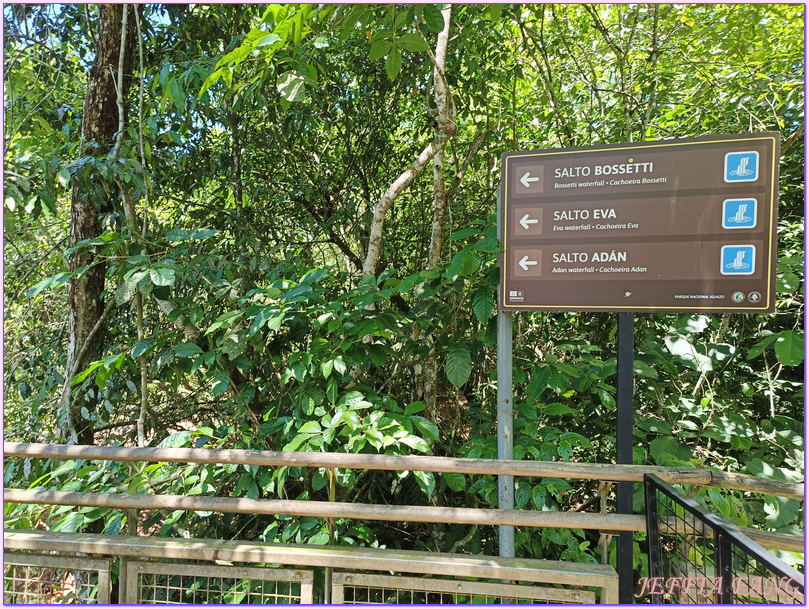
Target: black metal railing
{"type": "Point", "coordinates": [697, 558]}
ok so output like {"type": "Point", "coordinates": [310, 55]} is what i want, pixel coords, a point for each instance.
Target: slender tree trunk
{"type": "Point", "coordinates": [445, 121]}
{"type": "Point", "coordinates": [445, 128]}
{"type": "Point", "coordinates": [99, 125]}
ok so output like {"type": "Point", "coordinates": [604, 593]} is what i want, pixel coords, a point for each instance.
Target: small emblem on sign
{"type": "Point", "coordinates": [739, 213]}
{"type": "Point", "coordinates": [754, 297]}
{"type": "Point", "coordinates": [737, 297]}
{"type": "Point", "coordinates": [738, 259]}
{"type": "Point", "coordinates": [741, 166]}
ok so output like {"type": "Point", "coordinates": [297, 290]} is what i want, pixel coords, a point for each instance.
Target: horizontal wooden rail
{"type": "Point", "coordinates": [424, 463]}
{"type": "Point", "coordinates": [326, 509]}
{"type": "Point", "coordinates": [321, 509]}
{"type": "Point", "coordinates": [353, 557]}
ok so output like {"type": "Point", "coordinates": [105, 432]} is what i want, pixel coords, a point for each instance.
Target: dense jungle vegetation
{"type": "Point", "coordinates": [273, 227]}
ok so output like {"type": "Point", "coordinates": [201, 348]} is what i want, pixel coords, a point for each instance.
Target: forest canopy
{"type": "Point", "coordinates": [274, 227]}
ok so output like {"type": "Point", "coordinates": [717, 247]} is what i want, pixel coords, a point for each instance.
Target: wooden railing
{"type": "Point", "coordinates": [607, 523]}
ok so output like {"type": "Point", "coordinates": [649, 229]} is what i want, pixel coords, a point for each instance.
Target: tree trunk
{"type": "Point", "coordinates": [445, 129]}
{"type": "Point", "coordinates": [99, 125]}
{"type": "Point", "coordinates": [445, 122]}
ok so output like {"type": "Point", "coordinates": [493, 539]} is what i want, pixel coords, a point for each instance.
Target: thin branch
{"type": "Point", "coordinates": [93, 36]}
{"type": "Point", "coordinates": [791, 140]}
{"type": "Point", "coordinates": [456, 182]}
{"type": "Point", "coordinates": [119, 86]}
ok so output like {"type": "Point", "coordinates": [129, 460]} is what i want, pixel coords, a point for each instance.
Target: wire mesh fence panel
{"type": "Point", "coordinates": [169, 583]}
{"type": "Point", "coordinates": [43, 579]}
{"type": "Point", "coordinates": [756, 581]}
{"type": "Point", "coordinates": [370, 589]}
{"type": "Point", "coordinates": [697, 558]}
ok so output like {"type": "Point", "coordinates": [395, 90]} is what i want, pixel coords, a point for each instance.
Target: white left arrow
{"type": "Point", "coordinates": [525, 263]}
{"type": "Point", "coordinates": [526, 181]}
{"type": "Point", "coordinates": [526, 222]}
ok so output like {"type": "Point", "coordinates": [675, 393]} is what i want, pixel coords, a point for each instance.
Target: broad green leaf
{"type": "Point", "coordinates": [297, 294]}
{"type": "Point", "coordinates": [780, 511]}
{"type": "Point", "coordinates": [212, 79]}
{"type": "Point", "coordinates": [310, 427]}
{"type": "Point", "coordinates": [458, 365]}
{"type": "Point", "coordinates": [332, 389]}
{"type": "Point", "coordinates": [412, 42]}
{"type": "Point", "coordinates": [463, 234]}
{"type": "Point", "coordinates": [416, 443]}
{"type": "Point", "coordinates": [83, 375]}
{"type": "Point", "coordinates": [204, 233]}
{"type": "Point", "coordinates": [428, 429]}
{"type": "Point", "coordinates": [259, 38]}
{"type": "Point", "coordinates": [315, 275]}
{"type": "Point", "coordinates": [761, 346]}
{"type": "Point", "coordinates": [606, 397]}
{"type": "Point", "coordinates": [142, 347]}
{"type": "Point", "coordinates": [433, 17]}
{"type": "Point", "coordinates": [339, 364]}
{"type": "Point", "coordinates": [522, 494]}
{"type": "Point", "coordinates": [69, 524]}
{"type": "Point", "coordinates": [64, 177]}
{"type": "Point", "coordinates": [455, 481]}
{"type": "Point", "coordinates": [426, 481]}
{"type": "Point", "coordinates": [54, 281]}
{"type": "Point", "coordinates": [488, 246]}
{"type": "Point", "coordinates": [163, 276]}
{"type": "Point", "coordinates": [759, 468]}
{"type": "Point", "coordinates": [789, 348]}
{"type": "Point", "coordinates": [178, 234]}
{"type": "Point", "coordinates": [787, 283]}
{"type": "Point", "coordinates": [263, 315]}
{"type": "Point", "coordinates": [220, 383]}
{"type": "Point", "coordinates": [556, 409]}
{"type": "Point", "coordinates": [375, 438]}
{"type": "Point", "coordinates": [540, 379]}
{"type": "Point", "coordinates": [291, 87]}
{"type": "Point", "coordinates": [464, 263]}
{"type": "Point", "coordinates": [414, 407]}
{"type": "Point", "coordinates": [688, 354]}
{"type": "Point", "coordinates": [556, 483]}
{"type": "Point", "coordinates": [663, 445]}
{"type": "Point", "coordinates": [644, 370]}
{"type": "Point", "coordinates": [393, 64]}
{"type": "Point", "coordinates": [48, 200]}
{"type": "Point", "coordinates": [187, 350]}
{"type": "Point", "coordinates": [539, 495]}
{"type": "Point", "coordinates": [483, 304]}
{"type": "Point", "coordinates": [379, 48]}
{"type": "Point", "coordinates": [178, 96]}
{"type": "Point", "coordinates": [408, 282]}
{"type": "Point", "coordinates": [176, 440]}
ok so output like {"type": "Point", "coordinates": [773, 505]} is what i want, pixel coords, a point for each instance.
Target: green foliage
{"type": "Point", "coordinates": [269, 132]}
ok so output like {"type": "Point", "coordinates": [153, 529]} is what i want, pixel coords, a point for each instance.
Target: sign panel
{"type": "Point", "coordinates": [674, 225]}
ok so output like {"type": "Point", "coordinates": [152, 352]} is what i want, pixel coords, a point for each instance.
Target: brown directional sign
{"type": "Point", "coordinates": [674, 225]}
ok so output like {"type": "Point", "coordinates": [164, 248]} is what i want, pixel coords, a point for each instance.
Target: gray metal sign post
{"type": "Point", "coordinates": [505, 413]}
{"type": "Point", "coordinates": [625, 389]}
